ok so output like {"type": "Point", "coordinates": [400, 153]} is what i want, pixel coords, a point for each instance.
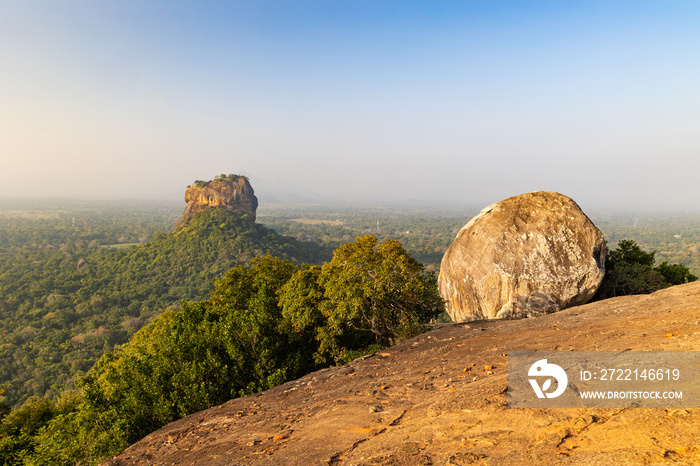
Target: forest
{"type": "Point", "coordinates": [73, 284]}
{"type": "Point", "coordinates": [99, 300]}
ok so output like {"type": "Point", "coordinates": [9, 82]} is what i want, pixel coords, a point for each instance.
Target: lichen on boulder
{"type": "Point", "coordinates": [527, 255]}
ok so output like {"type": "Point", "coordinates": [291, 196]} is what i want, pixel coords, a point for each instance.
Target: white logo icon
{"type": "Point", "coordinates": [542, 369]}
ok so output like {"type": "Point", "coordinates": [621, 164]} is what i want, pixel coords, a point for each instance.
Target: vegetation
{"type": "Point", "coordinates": [265, 320]}
{"type": "Point", "coordinates": [222, 177]}
{"type": "Point", "coordinates": [673, 237]}
{"type": "Point", "coordinates": [371, 292]}
{"type": "Point", "coordinates": [263, 324]}
{"type": "Point", "coordinates": [425, 232]}
{"type": "Point", "coordinates": [58, 318]}
{"type": "Point", "coordinates": [629, 270]}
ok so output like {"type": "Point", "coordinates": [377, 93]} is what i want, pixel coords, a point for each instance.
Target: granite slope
{"type": "Point", "coordinates": [440, 399]}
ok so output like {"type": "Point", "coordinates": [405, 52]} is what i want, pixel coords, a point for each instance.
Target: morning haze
{"type": "Point", "coordinates": [354, 101]}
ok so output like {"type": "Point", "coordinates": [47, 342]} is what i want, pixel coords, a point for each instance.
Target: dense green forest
{"type": "Point", "coordinates": [79, 279]}
{"type": "Point", "coordinates": [66, 296]}
{"type": "Point", "coordinates": [57, 319]}
{"type": "Point", "coordinates": [263, 324]}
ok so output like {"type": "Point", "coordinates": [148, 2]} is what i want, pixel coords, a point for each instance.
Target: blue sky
{"type": "Point", "coordinates": [380, 101]}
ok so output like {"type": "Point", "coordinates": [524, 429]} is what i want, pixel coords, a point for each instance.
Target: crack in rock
{"type": "Point", "coordinates": [335, 459]}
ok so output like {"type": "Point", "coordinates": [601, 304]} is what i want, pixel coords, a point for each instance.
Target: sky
{"type": "Point", "coordinates": [353, 100]}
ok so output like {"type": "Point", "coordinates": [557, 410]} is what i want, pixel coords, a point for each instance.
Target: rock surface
{"type": "Point", "coordinates": [527, 255]}
{"type": "Point", "coordinates": [432, 400]}
{"type": "Point", "coordinates": [233, 193]}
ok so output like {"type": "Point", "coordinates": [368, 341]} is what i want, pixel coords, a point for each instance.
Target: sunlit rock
{"type": "Point", "coordinates": [527, 255]}
{"type": "Point", "coordinates": [232, 192]}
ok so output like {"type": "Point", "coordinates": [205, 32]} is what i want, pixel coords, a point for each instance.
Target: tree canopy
{"type": "Point", "coordinates": [58, 318]}
{"type": "Point", "coordinates": [374, 290]}
{"type": "Point", "coordinates": [264, 323]}
{"type": "Point", "coordinates": [630, 270]}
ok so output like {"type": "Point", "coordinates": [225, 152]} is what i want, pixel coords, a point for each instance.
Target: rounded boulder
{"type": "Point", "coordinates": [528, 255]}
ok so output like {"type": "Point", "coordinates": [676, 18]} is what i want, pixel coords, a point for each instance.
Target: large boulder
{"type": "Point", "coordinates": [527, 255]}
{"type": "Point", "coordinates": [232, 192]}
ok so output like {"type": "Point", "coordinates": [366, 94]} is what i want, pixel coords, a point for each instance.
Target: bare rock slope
{"type": "Point", "coordinates": [433, 401]}
{"type": "Point", "coordinates": [527, 255]}
{"type": "Point", "coordinates": [233, 193]}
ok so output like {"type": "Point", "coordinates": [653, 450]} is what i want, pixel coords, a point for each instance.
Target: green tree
{"type": "Point", "coordinates": [630, 270]}
{"type": "Point", "coordinates": [72, 438]}
{"type": "Point", "coordinates": [675, 274]}
{"type": "Point", "coordinates": [299, 300]}
{"type": "Point", "coordinates": [4, 407]}
{"type": "Point", "coordinates": [374, 291]}
{"type": "Point", "coordinates": [263, 324]}
{"type": "Point", "coordinates": [248, 297]}
{"type": "Point", "coordinates": [19, 429]}
{"type": "Point", "coordinates": [235, 343]}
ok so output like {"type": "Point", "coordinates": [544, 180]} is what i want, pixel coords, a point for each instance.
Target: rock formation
{"type": "Point", "coordinates": [441, 399]}
{"type": "Point", "coordinates": [232, 192]}
{"type": "Point", "coordinates": [527, 255]}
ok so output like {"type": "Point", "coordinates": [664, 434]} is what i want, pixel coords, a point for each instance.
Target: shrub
{"type": "Point", "coordinates": [630, 270]}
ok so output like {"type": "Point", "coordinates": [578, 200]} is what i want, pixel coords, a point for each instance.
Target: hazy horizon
{"type": "Point", "coordinates": [354, 101]}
